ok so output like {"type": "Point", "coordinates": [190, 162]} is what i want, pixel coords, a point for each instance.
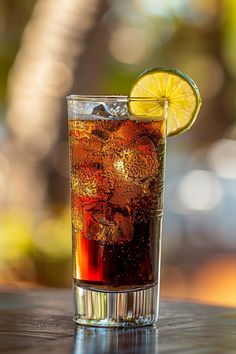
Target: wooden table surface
{"type": "Point", "coordinates": [40, 322]}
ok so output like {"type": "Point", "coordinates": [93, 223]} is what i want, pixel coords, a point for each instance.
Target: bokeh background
{"type": "Point", "coordinates": [51, 48]}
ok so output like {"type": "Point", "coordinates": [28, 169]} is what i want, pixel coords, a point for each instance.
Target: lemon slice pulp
{"type": "Point", "coordinates": [159, 84]}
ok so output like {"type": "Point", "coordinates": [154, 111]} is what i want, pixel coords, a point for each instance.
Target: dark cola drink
{"type": "Point", "coordinates": [117, 169]}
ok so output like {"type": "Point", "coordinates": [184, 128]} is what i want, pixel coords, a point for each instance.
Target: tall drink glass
{"type": "Point", "coordinates": [117, 178]}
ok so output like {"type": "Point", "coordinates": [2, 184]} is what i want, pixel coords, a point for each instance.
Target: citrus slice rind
{"type": "Point", "coordinates": [162, 84]}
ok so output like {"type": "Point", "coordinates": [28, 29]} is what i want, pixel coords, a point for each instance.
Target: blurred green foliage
{"type": "Point", "coordinates": [195, 36]}
{"type": "Point", "coordinates": [35, 251]}
{"type": "Point", "coordinates": [14, 15]}
{"type": "Point", "coordinates": [17, 226]}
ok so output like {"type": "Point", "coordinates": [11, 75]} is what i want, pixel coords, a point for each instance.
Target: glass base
{"type": "Point", "coordinates": [116, 309]}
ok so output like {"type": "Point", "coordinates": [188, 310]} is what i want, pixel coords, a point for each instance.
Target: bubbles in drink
{"type": "Point", "coordinates": [113, 162]}
{"type": "Point", "coordinates": [108, 223]}
{"type": "Point", "coordinates": [137, 162]}
{"type": "Point", "coordinates": [90, 182]}
{"type": "Point", "coordinates": [116, 190]}
{"type": "Point", "coordinates": [77, 219]}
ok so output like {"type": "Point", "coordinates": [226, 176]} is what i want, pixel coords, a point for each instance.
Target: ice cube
{"type": "Point", "coordinates": [126, 133]}
{"type": "Point", "coordinates": [86, 151]}
{"type": "Point", "coordinates": [115, 109]}
{"type": "Point", "coordinates": [80, 130]}
{"type": "Point", "coordinates": [124, 193]}
{"type": "Point", "coordinates": [110, 224]}
{"type": "Point", "coordinates": [124, 227]}
{"type": "Point", "coordinates": [100, 133]}
{"type": "Point", "coordinates": [77, 109]}
{"type": "Point", "coordinates": [137, 162]}
{"type": "Point", "coordinates": [84, 184]}
{"type": "Point", "coordinates": [103, 213]}
{"type": "Point", "coordinates": [103, 128]}
{"type": "Point", "coordinates": [91, 183]}
{"type": "Point", "coordinates": [130, 167]}
{"type": "Point", "coordinates": [119, 109]}
{"type": "Point", "coordinates": [102, 111]}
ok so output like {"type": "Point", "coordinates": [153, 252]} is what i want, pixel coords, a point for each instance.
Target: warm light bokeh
{"type": "Point", "coordinates": [213, 282]}
{"type": "Point", "coordinates": [53, 48]}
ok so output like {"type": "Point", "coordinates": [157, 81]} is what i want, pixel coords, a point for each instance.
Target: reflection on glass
{"type": "Point", "coordinates": [90, 340]}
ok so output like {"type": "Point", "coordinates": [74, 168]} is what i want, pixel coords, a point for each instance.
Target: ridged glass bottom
{"type": "Point", "coordinates": [116, 309]}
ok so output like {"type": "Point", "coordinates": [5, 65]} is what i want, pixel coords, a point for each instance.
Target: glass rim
{"type": "Point", "coordinates": [113, 98]}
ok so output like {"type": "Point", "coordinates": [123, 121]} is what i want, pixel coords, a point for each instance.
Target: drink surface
{"type": "Point", "coordinates": [117, 169]}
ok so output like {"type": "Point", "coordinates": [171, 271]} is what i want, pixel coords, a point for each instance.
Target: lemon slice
{"type": "Point", "coordinates": [177, 88]}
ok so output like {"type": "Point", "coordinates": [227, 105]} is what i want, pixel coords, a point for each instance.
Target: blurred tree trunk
{"type": "Point", "coordinates": [214, 108]}
{"type": "Point", "coordinates": [42, 75]}
{"type": "Point", "coordinates": [218, 105]}
{"type": "Point", "coordinates": [89, 76]}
